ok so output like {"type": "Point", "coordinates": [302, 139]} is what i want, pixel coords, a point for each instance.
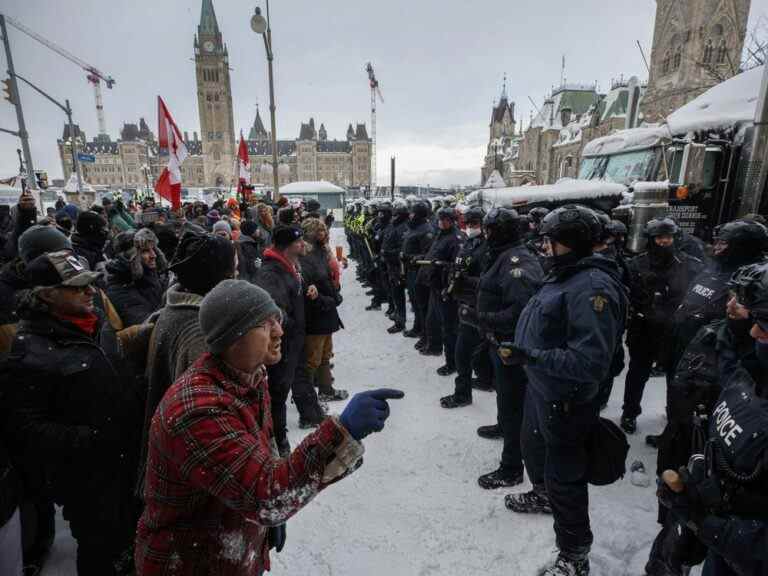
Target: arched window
{"type": "Point", "coordinates": [666, 62]}
{"type": "Point", "coordinates": [722, 52]}
{"type": "Point", "coordinates": [678, 58]}
{"type": "Point", "coordinates": [708, 49]}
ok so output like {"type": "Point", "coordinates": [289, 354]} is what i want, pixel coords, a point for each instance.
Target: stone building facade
{"type": "Point", "coordinates": [502, 140]}
{"type": "Point", "coordinates": [696, 45]}
{"type": "Point", "coordinates": [134, 161]}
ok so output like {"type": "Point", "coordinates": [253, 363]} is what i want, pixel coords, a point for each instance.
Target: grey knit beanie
{"type": "Point", "coordinates": [37, 240]}
{"type": "Point", "coordinates": [230, 310]}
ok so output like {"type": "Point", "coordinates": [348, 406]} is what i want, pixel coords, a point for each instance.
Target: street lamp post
{"type": "Point", "coordinates": [262, 26]}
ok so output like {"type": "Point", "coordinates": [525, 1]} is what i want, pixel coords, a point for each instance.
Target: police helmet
{"type": "Point", "coordinates": [437, 203]}
{"type": "Point", "coordinates": [618, 229]}
{"type": "Point", "coordinates": [574, 226]}
{"type": "Point", "coordinates": [446, 213]}
{"type": "Point", "coordinates": [385, 207]}
{"type": "Point", "coordinates": [751, 286]}
{"type": "Point", "coordinates": [661, 227]}
{"type": "Point", "coordinates": [537, 214]}
{"type": "Point", "coordinates": [747, 240]}
{"type": "Point", "coordinates": [474, 215]}
{"type": "Point", "coordinates": [502, 225]}
{"type": "Point", "coordinates": [450, 200]}
{"type": "Point", "coordinates": [420, 209]}
{"type": "Point", "coordinates": [400, 207]}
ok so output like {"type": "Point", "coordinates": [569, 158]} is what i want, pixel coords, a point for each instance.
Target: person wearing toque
{"type": "Point", "coordinates": [214, 474]}
{"type": "Point", "coordinates": [73, 410]}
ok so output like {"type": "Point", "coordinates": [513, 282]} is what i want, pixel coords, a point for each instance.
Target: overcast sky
{"type": "Point", "coordinates": [440, 66]}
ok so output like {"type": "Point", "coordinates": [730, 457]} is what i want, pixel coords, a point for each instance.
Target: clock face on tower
{"type": "Point", "coordinates": [208, 46]}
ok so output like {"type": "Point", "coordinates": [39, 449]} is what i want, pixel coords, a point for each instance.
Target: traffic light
{"type": "Point", "coordinates": [42, 179]}
{"type": "Point", "coordinates": [8, 91]}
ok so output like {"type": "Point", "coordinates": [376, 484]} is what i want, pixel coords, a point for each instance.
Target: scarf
{"type": "Point", "coordinates": [284, 262]}
{"type": "Point", "coordinates": [85, 324]}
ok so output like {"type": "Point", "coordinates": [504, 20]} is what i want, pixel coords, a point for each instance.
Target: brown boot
{"type": "Point", "coordinates": [326, 391]}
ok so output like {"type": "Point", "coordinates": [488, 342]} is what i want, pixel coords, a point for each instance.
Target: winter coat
{"type": "Point", "coordinates": [22, 219]}
{"type": "Point", "coordinates": [215, 483]}
{"type": "Point", "coordinates": [134, 298]}
{"type": "Point", "coordinates": [10, 483]}
{"type": "Point", "coordinates": [571, 329]}
{"type": "Point", "coordinates": [321, 315]}
{"type": "Point", "coordinates": [74, 416]}
{"type": "Point", "coordinates": [284, 284]}
{"type": "Point", "coordinates": [444, 249]}
{"type": "Point", "coordinates": [12, 280]}
{"type": "Point", "coordinates": [92, 249]}
{"type": "Point", "coordinates": [656, 291]}
{"type": "Point", "coordinates": [417, 239]}
{"type": "Point", "coordinates": [472, 262]}
{"type": "Point", "coordinates": [249, 253]}
{"type": "Point", "coordinates": [392, 245]}
{"type": "Point", "coordinates": [505, 288]}
{"type": "Point", "coordinates": [176, 343]}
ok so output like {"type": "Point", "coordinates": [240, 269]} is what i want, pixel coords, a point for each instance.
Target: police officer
{"type": "Point", "coordinates": [566, 337]}
{"type": "Point", "coordinates": [391, 249]}
{"type": "Point", "coordinates": [737, 244]}
{"type": "Point", "coordinates": [416, 243]}
{"type": "Point", "coordinates": [512, 276]}
{"type": "Point", "coordinates": [659, 279]}
{"type": "Point", "coordinates": [447, 243]}
{"type": "Point", "coordinates": [381, 288]}
{"type": "Point", "coordinates": [465, 276]}
{"type": "Point", "coordinates": [720, 495]}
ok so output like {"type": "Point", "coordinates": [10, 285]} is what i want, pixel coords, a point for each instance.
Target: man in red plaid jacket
{"type": "Point", "coordinates": [217, 495]}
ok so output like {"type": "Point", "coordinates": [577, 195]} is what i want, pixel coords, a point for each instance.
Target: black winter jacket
{"type": "Point", "coordinates": [321, 314]}
{"type": "Point", "coordinates": [444, 249]}
{"type": "Point", "coordinates": [505, 288]}
{"type": "Point", "coordinates": [133, 298]}
{"type": "Point", "coordinates": [92, 249]}
{"type": "Point", "coordinates": [248, 258]}
{"type": "Point", "coordinates": [75, 412]}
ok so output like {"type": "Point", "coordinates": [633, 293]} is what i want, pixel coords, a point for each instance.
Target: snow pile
{"type": "Point", "coordinates": [495, 181]}
{"type": "Point", "coordinates": [308, 187]}
{"type": "Point", "coordinates": [565, 189]}
{"type": "Point", "coordinates": [728, 103]}
{"type": "Point", "coordinates": [626, 141]}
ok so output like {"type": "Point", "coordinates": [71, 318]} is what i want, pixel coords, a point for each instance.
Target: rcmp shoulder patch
{"type": "Point", "coordinates": [598, 303]}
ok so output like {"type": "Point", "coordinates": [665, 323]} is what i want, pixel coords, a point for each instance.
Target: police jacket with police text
{"type": "Point", "coordinates": [655, 290]}
{"type": "Point", "coordinates": [571, 329]}
{"type": "Point", "coordinates": [505, 288]}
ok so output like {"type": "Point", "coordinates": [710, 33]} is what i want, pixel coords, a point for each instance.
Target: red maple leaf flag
{"type": "Point", "coordinates": [170, 140]}
{"type": "Point", "coordinates": [243, 167]}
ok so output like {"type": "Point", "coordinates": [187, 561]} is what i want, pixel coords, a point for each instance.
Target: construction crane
{"type": "Point", "coordinates": [375, 93]}
{"type": "Point", "coordinates": [93, 75]}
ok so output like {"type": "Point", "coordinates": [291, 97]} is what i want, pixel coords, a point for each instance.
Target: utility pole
{"type": "Point", "coordinates": [23, 136]}
{"type": "Point", "coordinates": [73, 140]}
{"type": "Point", "coordinates": [392, 171]}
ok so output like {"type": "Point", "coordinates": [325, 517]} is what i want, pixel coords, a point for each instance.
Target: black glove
{"type": "Point", "coordinates": [686, 505]}
{"type": "Point", "coordinates": [277, 536]}
{"type": "Point", "coordinates": [511, 355]}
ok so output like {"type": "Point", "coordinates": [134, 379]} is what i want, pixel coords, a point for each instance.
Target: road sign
{"type": "Point", "coordinates": [86, 157]}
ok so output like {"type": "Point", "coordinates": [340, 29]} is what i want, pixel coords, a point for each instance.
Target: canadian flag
{"type": "Point", "coordinates": [169, 136]}
{"type": "Point", "coordinates": [243, 168]}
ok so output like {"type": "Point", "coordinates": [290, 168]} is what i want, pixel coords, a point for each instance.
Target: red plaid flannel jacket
{"type": "Point", "coordinates": [214, 481]}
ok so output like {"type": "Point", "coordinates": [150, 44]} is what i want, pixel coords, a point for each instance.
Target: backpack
{"type": "Point", "coordinates": [607, 450]}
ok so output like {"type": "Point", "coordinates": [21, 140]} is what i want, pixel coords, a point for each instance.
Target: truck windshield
{"type": "Point", "coordinates": [623, 168]}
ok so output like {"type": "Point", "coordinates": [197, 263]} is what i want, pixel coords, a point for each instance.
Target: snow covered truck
{"type": "Point", "coordinates": [705, 165]}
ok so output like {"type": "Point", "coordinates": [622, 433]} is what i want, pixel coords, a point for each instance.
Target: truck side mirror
{"type": "Point", "coordinates": [693, 166]}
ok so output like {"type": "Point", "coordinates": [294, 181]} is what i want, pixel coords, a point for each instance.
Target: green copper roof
{"type": "Point", "coordinates": [208, 24]}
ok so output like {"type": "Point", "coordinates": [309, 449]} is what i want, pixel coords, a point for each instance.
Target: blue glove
{"type": "Point", "coordinates": [367, 411]}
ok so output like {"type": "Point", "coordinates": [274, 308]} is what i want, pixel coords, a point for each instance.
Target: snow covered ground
{"type": "Point", "coordinates": [414, 508]}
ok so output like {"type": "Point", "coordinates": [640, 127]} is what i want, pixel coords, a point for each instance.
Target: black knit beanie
{"type": "Point", "coordinates": [202, 261]}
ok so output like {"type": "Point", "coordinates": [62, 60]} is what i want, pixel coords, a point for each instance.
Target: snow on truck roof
{"type": "Point", "coordinates": [728, 103]}
{"type": "Point", "coordinates": [565, 189]}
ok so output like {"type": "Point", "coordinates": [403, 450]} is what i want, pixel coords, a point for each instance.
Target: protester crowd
{"type": "Point", "coordinates": [147, 358]}
{"type": "Point", "coordinates": [538, 306]}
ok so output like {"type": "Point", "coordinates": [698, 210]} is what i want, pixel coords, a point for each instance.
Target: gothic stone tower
{"type": "Point", "coordinates": [214, 100]}
{"type": "Point", "coordinates": [696, 44]}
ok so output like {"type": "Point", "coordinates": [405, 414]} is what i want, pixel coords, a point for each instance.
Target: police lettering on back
{"type": "Point", "coordinates": [726, 424]}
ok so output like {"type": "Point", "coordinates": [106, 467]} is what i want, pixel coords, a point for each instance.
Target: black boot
{"type": "Point", "coordinates": [531, 502]}
{"type": "Point", "coordinates": [454, 401]}
{"type": "Point", "coordinates": [326, 391]}
{"type": "Point", "coordinates": [283, 447]}
{"type": "Point", "coordinates": [568, 565]}
{"type": "Point", "coordinates": [629, 424]}
{"type": "Point", "coordinates": [430, 351]}
{"type": "Point", "coordinates": [492, 432]}
{"type": "Point", "coordinates": [483, 385]}
{"type": "Point", "coordinates": [374, 306]}
{"type": "Point", "coordinates": [412, 333]}
{"type": "Point", "coordinates": [446, 370]}
{"type": "Point", "coordinates": [420, 344]}
{"type": "Point", "coordinates": [397, 327]}
{"type": "Point", "coordinates": [500, 479]}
